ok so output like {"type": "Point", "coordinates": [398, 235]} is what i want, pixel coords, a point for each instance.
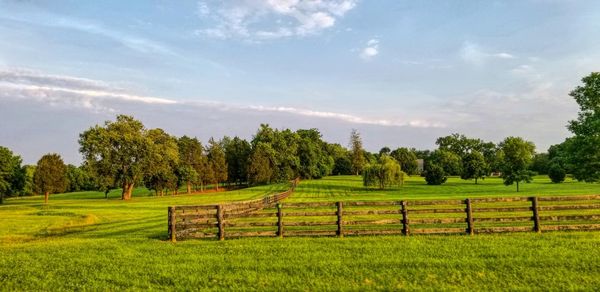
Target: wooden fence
{"type": "Point", "coordinates": [469, 216]}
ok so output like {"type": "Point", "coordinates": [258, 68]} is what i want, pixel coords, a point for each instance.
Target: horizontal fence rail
{"type": "Point", "coordinates": [271, 218]}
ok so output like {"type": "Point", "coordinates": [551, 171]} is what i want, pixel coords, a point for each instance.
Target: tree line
{"type": "Point", "coordinates": [124, 154]}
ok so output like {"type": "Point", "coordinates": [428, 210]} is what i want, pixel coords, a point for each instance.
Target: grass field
{"type": "Point", "coordinates": [83, 241]}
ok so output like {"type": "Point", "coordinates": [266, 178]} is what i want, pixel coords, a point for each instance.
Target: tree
{"type": "Point", "coordinates": [237, 154]}
{"type": "Point", "coordinates": [314, 161]}
{"type": "Point", "coordinates": [516, 155]}
{"type": "Point", "coordinates": [584, 151]}
{"type": "Point", "coordinates": [357, 158]}
{"type": "Point", "coordinates": [162, 162]}
{"type": "Point", "coordinates": [434, 174]}
{"type": "Point", "coordinates": [385, 151]}
{"type": "Point", "coordinates": [50, 176]}
{"type": "Point", "coordinates": [383, 174]}
{"type": "Point", "coordinates": [12, 177]}
{"type": "Point", "coordinates": [540, 163]}
{"type": "Point", "coordinates": [191, 161]}
{"type": "Point", "coordinates": [474, 166]}
{"type": "Point", "coordinates": [449, 161]}
{"type": "Point", "coordinates": [261, 168]}
{"type": "Point", "coordinates": [78, 179]}
{"type": "Point", "coordinates": [407, 160]}
{"type": "Point", "coordinates": [118, 150]}
{"type": "Point", "coordinates": [556, 173]}
{"type": "Point", "coordinates": [217, 162]}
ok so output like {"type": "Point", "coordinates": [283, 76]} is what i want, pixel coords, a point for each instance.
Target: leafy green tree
{"type": "Point", "coordinates": [474, 166]}
{"type": "Point", "coordinates": [191, 161]}
{"type": "Point", "coordinates": [556, 173]}
{"type": "Point", "coordinates": [449, 161]}
{"type": "Point", "coordinates": [584, 151]}
{"type": "Point", "coordinates": [434, 174]}
{"type": "Point", "coordinates": [314, 161]}
{"type": "Point", "coordinates": [540, 163]}
{"type": "Point", "coordinates": [119, 150]}
{"type": "Point", "coordinates": [50, 176]}
{"type": "Point", "coordinates": [407, 160]}
{"type": "Point", "coordinates": [262, 166]}
{"type": "Point", "coordinates": [385, 151]}
{"type": "Point", "coordinates": [162, 162]}
{"type": "Point", "coordinates": [516, 155]}
{"type": "Point", "coordinates": [385, 173]}
{"type": "Point", "coordinates": [237, 155]}
{"type": "Point", "coordinates": [357, 157]}
{"type": "Point", "coordinates": [28, 187]}
{"type": "Point", "coordinates": [11, 174]}
{"type": "Point", "coordinates": [217, 162]}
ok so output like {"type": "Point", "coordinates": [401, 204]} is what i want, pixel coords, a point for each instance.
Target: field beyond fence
{"type": "Point", "coordinates": [270, 217]}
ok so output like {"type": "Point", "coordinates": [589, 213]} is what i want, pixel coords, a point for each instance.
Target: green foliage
{"type": "Point", "coordinates": [162, 162]}
{"type": "Point", "coordinates": [192, 162]}
{"type": "Point", "coordinates": [217, 162]}
{"type": "Point", "coordinates": [117, 152]}
{"type": "Point", "coordinates": [434, 174]}
{"type": "Point", "coordinates": [540, 163]}
{"type": "Point", "coordinates": [516, 155]}
{"type": "Point", "coordinates": [313, 157]}
{"type": "Point", "coordinates": [51, 175]}
{"type": "Point", "coordinates": [12, 176]}
{"type": "Point", "coordinates": [357, 156]}
{"type": "Point", "coordinates": [474, 166]}
{"type": "Point", "coordinates": [262, 164]}
{"type": "Point", "coordinates": [237, 155]}
{"type": "Point", "coordinates": [384, 174]}
{"type": "Point", "coordinates": [584, 148]}
{"type": "Point", "coordinates": [78, 179]}
{"type": "Point", "coordinates": [449, 161]}
{"type": "Point", "coordinates": [556, 173]}
{"type": "Point", "coordinates": [407, 160]}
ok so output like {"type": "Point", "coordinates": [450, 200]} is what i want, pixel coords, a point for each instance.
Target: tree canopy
{"type": "Point", "coordinates": [516, 155]}
{"type": "Point", "coordinates": [50, 176]}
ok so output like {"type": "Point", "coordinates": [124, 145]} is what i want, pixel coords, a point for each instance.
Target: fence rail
{"type": "Point", "coordinates": [270, 217]}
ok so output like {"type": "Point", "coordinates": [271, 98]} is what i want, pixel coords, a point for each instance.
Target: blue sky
{"type": "Point", "coordinates": [402, 72]}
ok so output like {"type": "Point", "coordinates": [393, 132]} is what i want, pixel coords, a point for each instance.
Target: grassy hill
{"type": "Point", "coordinates": [81, 240]}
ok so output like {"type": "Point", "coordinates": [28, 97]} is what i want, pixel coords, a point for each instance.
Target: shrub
{"type": "Point", "coordinates": [434, 174]}
{"type": "Point", "coordinates": [556, 173]}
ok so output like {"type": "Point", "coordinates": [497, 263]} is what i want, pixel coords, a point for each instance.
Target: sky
{"type": "Point", "coordinates": [401, 72]}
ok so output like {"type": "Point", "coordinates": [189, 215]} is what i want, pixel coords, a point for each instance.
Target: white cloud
{"type": "Point", "coordinates": [269, 19]}
{"type": "Point", "coordinates": [476, 55]}
{"type": "Point", "coordinates": [371, 50]}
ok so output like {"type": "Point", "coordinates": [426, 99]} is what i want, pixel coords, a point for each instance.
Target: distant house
{"type": "Point", "coordinates": [420, 165]}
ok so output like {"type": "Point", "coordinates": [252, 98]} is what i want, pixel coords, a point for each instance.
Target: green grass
{"type": "Point", "coordinates": [82, 241]}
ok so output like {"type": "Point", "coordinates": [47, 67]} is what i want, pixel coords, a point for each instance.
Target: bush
{"type": "Point", "coordinates": [434, 175]}
{"type": "Point", "coordinates": [556, 173]}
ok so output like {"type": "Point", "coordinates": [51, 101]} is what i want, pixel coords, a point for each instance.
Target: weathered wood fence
{"type": "Point", "coordinates": [469, 216]}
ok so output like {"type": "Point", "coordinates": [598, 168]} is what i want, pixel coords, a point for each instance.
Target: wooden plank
{"type": "Point", "coordinates": [185, 226]}
{"type": "Point", "coordinates": [571, 217]}
{"type": "Point", "coordinates": [280, 220]}
{"type": "Point", "coordinates": [437, 230]}
{"type": "Point", "coordinates": [536, 214]}
{"type": "Point", "coordinates": [570, 198]}
{"type": "Point", "coordinates": [503, 229]}
{"type": "Point", "coordinates": [310, 205]}
{"type": "Point", "coordinates": [372, 203]}
{"type": "Point", "coordinates": [470, 225]}
{"type": "Point", "coordinates": [172, 227]}
{"type": "Point", "coordinates": [253, 234]}
{"type": "Point", "coordinates": [311, 232]}
{"type": "Point", "coordinates": [374, 222]}
{"type": "Point", "coordinates": [251, 215]}
{"type": "Point", "coordinates": [196, 235]}
{"type": "Point", "coordinates": [311, 223]}
{"type": "Point", "coordinates": [436, 202]}
{"type": "Point", "coordinates": [509, 209]}
{"type": "Point", "coordinates": [201, 207]}
{"type": "Point", "coordinates": [505, 219]}
{"type": "Point", "coordinates": [220, 222]}
{"type": "Point", "coordinates": [569, 207]}
{"type": "Point", "coordinates": [248, 224]}
{"type": "Point", "coordinates": [296, 214]}
{"type": "Point", "coordinates": [405, 223]}
{"type": "Point", "coordinates": [497, 200]}
{"type": "Point", "coordinates": [581, 227]}
{"type": "Point", "coordinates": [437, 220]}
{"type": "Point", "coordinates": [187, 217]}
{"type": "Point", "coordinates": [371, 212]}
{"type": "Point", "coordinates": [340, 222]}
{"type": "Point", "coordinates": [372, 232]}
{"type": "Point", "coordinates": [426, 211]}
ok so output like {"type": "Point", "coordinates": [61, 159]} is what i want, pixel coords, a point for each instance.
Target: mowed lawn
{"type": "Point", "coordinates": [83, 241]}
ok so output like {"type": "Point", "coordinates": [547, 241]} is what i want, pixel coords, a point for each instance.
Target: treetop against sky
{"type": "Point", "coordinates": [401, 72]}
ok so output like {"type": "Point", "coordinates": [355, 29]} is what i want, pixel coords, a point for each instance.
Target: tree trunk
{"type": "Point", "coordinates": [46, 194]}
{"type": "Point", "coordinates": [475, 180]}
{"type": "Point", "coordinates": [129, 191]}
{"type": "Point", "coordinates": [124, 192]}
{"type": "Point", "coordinates": [517, 186]}
{"type": "Point", "coordinates": [1, 198]}
{"type": "Point", "coordinates": [217, 186]}
{"type": "Point", "coordinates": [189, 187]}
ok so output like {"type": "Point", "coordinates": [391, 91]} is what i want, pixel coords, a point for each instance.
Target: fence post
{"type": "Point", "coordinates": [172, 223]}
{"type": "Point", "coordinates": [221, 233]}
{"type": "Point", "coordinates": [405, 226]}
{"type": "Point", "coordinates": [280, 220]}
{"type": "Point", "coordinates": [340, 222]}
{"type": "Point", "coordinates": [536, 214]}
{"type": "Point", "coordinates": [469, 210]}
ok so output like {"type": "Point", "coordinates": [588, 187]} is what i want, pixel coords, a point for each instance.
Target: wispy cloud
{"type": "Point", "coordinates": [97, 96]}
{"type": "Point", "coordinates": [371, 50]}
{"type": "Point", "coordinates": [473, 53]}
{"type": "Point", "coordinates": [269, 19]}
